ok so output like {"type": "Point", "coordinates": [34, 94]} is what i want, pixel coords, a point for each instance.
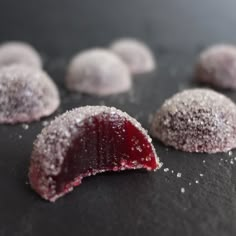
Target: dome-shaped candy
{"type": "Point", "coordinates": [197, 120]}
{"type": "Point", "coordinates": [19, 53]}
{"type": "Point", "coordinates": [137, 55]}
{"type": "Point", "coordinates": [26, 94]}
{"type": "Point", "coordinates": [98, 71]}
{"type": "Point", "coordinates": [84, 142]}
{"type": "Point", "coordinates": [217, 66]}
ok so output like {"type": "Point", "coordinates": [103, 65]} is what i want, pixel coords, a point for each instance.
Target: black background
{"type": "Point", "coordinates": [134, 202]}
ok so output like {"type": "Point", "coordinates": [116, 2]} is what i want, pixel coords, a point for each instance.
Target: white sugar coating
{"type": "Point", "coordinates": [14, 52]}
{"type": "Point", "coordinates": [197, 120]}
{"type": "Point", "coordinates": [230, 153]}
{"type": "Point", "coordinates": [26, 94]}
{"type": "Point", "coordinates": [182, 190]}
{"type": "Point", "coordinates": [136, 54]}
{"type": "Point", "coordinates": [98, 71]}
{"type": "Point", "coordinates": [55, 139]}
{"type": "Point", "coordinates": [217, 66]}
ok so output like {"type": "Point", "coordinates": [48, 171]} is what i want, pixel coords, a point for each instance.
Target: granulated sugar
{"type": "Point", "coordinates": [27, 94]}
{"type": "Point", "coordinates": [136, 55]}
{"type": "Point", "coordinates": [58, 144]}
{"type": "Point", "coordinates": [98, 71]}
{"type": "Point", "coordinates": [19, 53]}
{"type": "Point", "coordinates": [196, 120]}
{"type": "Point", "coordinates": [179, 175]}
{"type": "Point", "coordinates": [166, 169]}
{"type": "Point", "coordinates": [25, 126]}
{"type": "Point", "coordinates": [216, 66]}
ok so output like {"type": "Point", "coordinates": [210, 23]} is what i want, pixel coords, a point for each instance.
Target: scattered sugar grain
{"type": "Point", "coordinates": [166, 169]}
{"type": "Point", "coordinates": [182, 190]}
{"type": "Point", "coordinates": [179, 175]}
{"type": "Point", "coordinates": [25, 126]}
{"type": "Point", "coordinates": [45, 123]}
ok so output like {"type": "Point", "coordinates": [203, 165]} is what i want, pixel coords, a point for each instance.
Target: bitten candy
{"type": "Point", "coordinates": [137, 55]}
{"type": "Point", "coordinates": [197, 120]}
{"type": "Point", "coordinates": [86, 141]}
{"type": "Point", "coordinates": [26, 94]}
{"type": "Point", "coordinates": [19, 53]}
{"type": "Point", "coordinates": [99, 72]}
{"type": "Point", "coordinates": [217, 66]}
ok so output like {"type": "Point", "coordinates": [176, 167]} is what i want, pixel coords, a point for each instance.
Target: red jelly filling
{"type": "Point", "coordinates": [105, 144]}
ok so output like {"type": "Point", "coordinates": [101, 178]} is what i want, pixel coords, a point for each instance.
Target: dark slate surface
{"type": "Point", "coordinates": [134, 202]}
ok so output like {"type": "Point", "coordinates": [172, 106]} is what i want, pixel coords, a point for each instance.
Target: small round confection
{"type": "Point", "coordinates": [19, 53]}
{"type": "Point", "coordinates": [99, 72]}
{"type": "Point", "coordinates": [217, 66]}
{"type": "Point", "coordinates": [135, 54]}
{"type": "Point", "coordinates": [197, 120]}
{"type": "Point", "coordinates": [26, 94]}
{"type": "Point", "coordinates": [86, 141]}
